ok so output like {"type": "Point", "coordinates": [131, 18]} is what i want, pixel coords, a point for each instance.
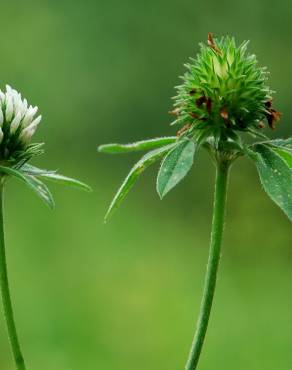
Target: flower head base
{"type": "Point", "coordinates": [224, 90]}
{"type": "Point", "coordinates": [17, 125]}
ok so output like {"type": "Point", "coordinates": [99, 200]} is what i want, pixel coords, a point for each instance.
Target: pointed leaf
{"type": "Point", "coordinates": [41, 190]}
{"type": "Point", "coordinates": [35, 171]}
{"type": "Point", "coordinates": [36, 185]}
{"type": "Point", "coordinates": [64, 180]}
{"type": "Point", "coordinates": [53, 176]}
{"type": "Point", "coordinates": [133, 175]}
{"type": "Point", "coordinates": [276, 177]}
{"type": "Point", "coordinates": [175, 166]}
{"type": "Point", "coordinates": [139, 145]}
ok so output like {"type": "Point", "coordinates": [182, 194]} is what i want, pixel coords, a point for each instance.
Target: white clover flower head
{"type": "Point", "coordinates": [18, 123]}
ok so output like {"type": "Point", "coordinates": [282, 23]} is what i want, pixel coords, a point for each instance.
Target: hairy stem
{"type": "Point", "coordinates": [5, 293]}
{"type": "Point", "coordinates": [213, 263]}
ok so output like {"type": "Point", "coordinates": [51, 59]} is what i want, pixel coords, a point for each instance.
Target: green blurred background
{"type": "Point", "coordinates": [126, 295]}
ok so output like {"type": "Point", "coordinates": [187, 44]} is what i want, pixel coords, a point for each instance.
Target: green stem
{"type": "Point", "coordinates": [213, 263]}
{"type": "Point", "coordinates": [5, 293]}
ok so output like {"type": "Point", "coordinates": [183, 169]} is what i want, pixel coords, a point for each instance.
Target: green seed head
{"type": "Point", "coordinates": [17, 126]}
{"type": "Point", "coordinates": [224, 90]}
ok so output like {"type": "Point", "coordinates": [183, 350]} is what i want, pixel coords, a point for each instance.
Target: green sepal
{"type": "Point", "coordinates": [33, 183]}
{"type": "Point", "coordinates": [147, 160]}
{"type": "Point", "coordinates": [175, 166]}
{"type": "Point", "coordinates": [276, 176]}
{"type": "Point", "coordinates": [23, 156]}
{"type": "Point", "coordinates": [53, 176]}
{"type": "Point", "coordinates": [137, 146]}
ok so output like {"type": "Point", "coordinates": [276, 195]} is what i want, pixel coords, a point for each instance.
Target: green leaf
{"type": "Point", "coordinates": [33, 183]}
{"type": "Point", "coordinates": [276, 177]}
{"type": "Point", "coordinates": [139, 145]}
{"type": "Point", "coordinates": [133, 175]}
{"type": "Point", "coordinates": [286, 143]}
{"type": "Point", "coordinates": [53, 176]}
{"type": "Point", "coordinates": [175, 166]}
{"type": "Point", "coordinates": [68, 181]}
{"type": "Point", "coordinates": [35, 171]}
{"type": "Point", "coordinates": [286, 155]}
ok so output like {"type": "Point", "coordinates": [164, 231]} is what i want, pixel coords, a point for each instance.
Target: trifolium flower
{"type": "Point", "coordinates": [223, 93]}
{"type": "Point", "coordinates": [18, 123]}
{"type": "Point", "coordinates": [224, 90]}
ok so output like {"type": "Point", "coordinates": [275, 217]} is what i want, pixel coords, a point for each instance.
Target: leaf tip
{"type": "Point", "coordinates": [104, 148]}
{"type": "Point", "coordinates": [107, 216]}
{"type": "Point", "coordinates": [160, 194]}
{"type": "Point", "coordinates": [99, 149]}
{"type": "Point", "coordinates": [51, 205]}
{"type": "Point", "coordinates": [87, 188]}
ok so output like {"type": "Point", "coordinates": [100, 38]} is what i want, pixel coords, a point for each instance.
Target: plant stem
{"type": "Point", "coordinates": [213, 262]}
{"type": "Point", "coordinates": [5, 293]}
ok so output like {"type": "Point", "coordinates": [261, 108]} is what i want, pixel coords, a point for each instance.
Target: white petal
{"type": "Point", "coordinates": [9, 89]}
{"type": "Point", "coordinates": [24, 137]}
{"type": "Point", "coordinates": [33, 126]}
{"type": "Point", "coordinates": [17, 103]}
{"type": "Point", "coordinates": [9, 107]}
{"type": "Point", "coordinates": [2, 97]}
{"type": "Point", "coordinates": [27, 118]}
{"type": "Point", "coordinates": [1, 118]}
{"type": "Point", "coordinates": [34, 110]}
{"type": "Point", "coordinates": [24, 107]}
{"type": "Point", "coordinates": [27, 133]}
{"type": "Point", "coordinates": [15, 123]}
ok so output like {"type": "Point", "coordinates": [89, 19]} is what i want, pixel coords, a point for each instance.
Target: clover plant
{"type": "Point", "coordinates": [223, 105]}
{"type": "Point", "coordinates": [17, 126]}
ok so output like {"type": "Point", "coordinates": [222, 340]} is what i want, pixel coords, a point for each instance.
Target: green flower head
{"type": "Point", "coordinates": [224, 90]}
{"type": "Point", "coordinates": [224, 93]}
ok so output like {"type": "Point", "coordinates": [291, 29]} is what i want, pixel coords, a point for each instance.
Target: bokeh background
{"type": "Point", "coordinates": [126, 295]}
